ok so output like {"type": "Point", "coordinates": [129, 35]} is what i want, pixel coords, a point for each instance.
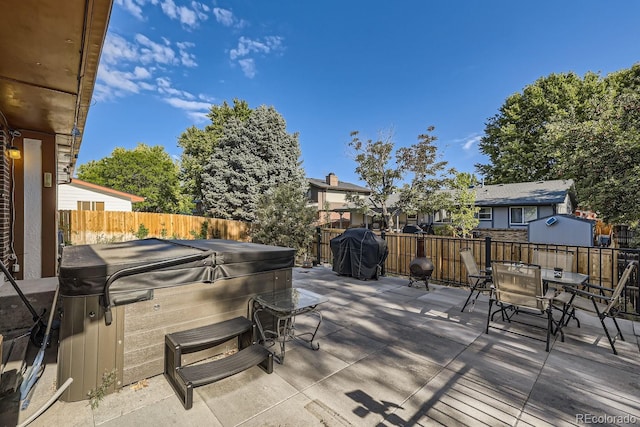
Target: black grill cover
{"type": "Point", "coordinates": [358, 252]}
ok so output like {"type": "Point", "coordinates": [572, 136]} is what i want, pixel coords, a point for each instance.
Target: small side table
{"type": "Point", "coordinates": [285, 305]}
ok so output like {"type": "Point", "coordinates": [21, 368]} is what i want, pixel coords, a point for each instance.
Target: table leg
{"type": "Point", "coordinates": [285, 329]}
{"type": "Point", "coordinates": [312, 345]}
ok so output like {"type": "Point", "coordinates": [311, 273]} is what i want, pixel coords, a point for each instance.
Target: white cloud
{"type": "Point", "coordinates": [165, 88]}
{"type": "Point", "coordinates": [141, 64]}
{"type": "Point", "coordinates": [141, 73]}
{"type": "Point", "coordinates": [185, 104]}
{"type": "Point", "coordinates": [116, 49]}
{"type": "Point", "coordinates": [223, 16]}
{"type": "Point", "coordinates": [470, 142]}
{"type": "Point", "coordinates": [247, 46]}
{"type": "Point", "coordinates": [226, 18]}
{"type": "Point", "coordinates": [248, 66]}
{"type": "Point", "coordinates": [187, 59]}
{"type": "Point", "coordinates": [119, 82]}
{"type": "Point", "coordinates": [187, 17]}
{"type": "Point", "coordinates": [198, 116]}
{"type": "Point", "coordinates": [206, 98]}
{"type": "Point", "coordinates": [151, 51]}
{"type": "Point", "coordinates": [134, 7]}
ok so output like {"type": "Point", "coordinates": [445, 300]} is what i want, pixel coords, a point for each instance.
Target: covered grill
{"type": "Point", "coordinates": [359, 253]}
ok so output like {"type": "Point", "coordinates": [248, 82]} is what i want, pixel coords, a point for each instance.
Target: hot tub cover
{"type": "Point", "coordinates": [118, 269]}
{"type": "Point", "coordinates": [358, 252]}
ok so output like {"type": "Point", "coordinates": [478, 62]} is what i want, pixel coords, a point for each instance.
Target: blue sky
{"type": "Point", "coordinates": [331, 67]}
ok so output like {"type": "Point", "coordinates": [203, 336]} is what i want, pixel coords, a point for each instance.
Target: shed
{"type": "Point", "coordinates": [82, 195]}
{"type": "Point", "coordinates": [562, 230]}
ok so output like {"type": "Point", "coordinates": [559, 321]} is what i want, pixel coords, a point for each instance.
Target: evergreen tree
{"type": "Point", "coordinates": [198, 144]}
{"type": "Point", "coordinates": [252, 157]}
{"type": "Point", "coordinates": [283, 218]}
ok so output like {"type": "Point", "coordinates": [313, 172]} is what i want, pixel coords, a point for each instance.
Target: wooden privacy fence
{"type": "Point", "coordinates": [89, 227]}
{"type": "Point", "coordinates": [603, 265]}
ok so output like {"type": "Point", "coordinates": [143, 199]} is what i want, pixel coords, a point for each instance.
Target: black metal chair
{"type": "Point", "coordinates": [479, 280]}
{"type": "Point", "coordinates": [604, 302]}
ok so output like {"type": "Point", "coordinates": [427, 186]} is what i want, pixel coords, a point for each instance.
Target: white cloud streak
{"type": "Point", "coordinates": [189, 16]}
{"type": "Point", "coordinates": [227, 19]}
{"type": "Point", "coordinates": [132, 67]}
{"type": "Point", "coordinates": [248, 66]}
{"type": "Point", "coordinates": [470, 142]}
{"type": "Point", "coordinates": [247, 46]}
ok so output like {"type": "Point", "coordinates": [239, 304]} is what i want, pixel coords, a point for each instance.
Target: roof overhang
{"type": "Point", "coordinates": [50, 52]}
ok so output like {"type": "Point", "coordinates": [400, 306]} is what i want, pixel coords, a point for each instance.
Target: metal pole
{"type": "Point", "coordinates": [383, 270]}
{"type": "Point", "coordinates": [487, 252]}
{"type": "Point", "coordinates": [319, 249]}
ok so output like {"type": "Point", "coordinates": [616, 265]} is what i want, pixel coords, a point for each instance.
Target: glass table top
{"type": "Point", "coordinates": [567, 278]}
{"type": "Point", "coordinates": [290, 299]}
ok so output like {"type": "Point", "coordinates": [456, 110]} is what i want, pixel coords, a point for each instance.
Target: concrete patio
{"type": "Point", "coordinates": [393, 355]}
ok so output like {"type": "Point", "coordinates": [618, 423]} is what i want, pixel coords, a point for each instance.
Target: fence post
{"type": "Point", "coordinates": [319, 247]}
{"type": "Point", "coordinates": [383, 234]}
{"type": "Point", "coordinates": [487, 252]}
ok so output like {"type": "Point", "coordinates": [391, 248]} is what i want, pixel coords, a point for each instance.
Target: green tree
{"type": "Point", "coordinates": [516, 139]}
{"type": "Point", "coordinates": [198, 144]}
{"type": "Point", "coordinates": [603, 149]}
{"type": "Point", "coordinates": [385, 172]}
{"type": "Point", "coordinates": [283, 218]}
{"type": "Point", "coordinates": [563, 127]}
{"type": "Point", "coordinates": [252, 157]}
{"type": "Point", "coordinates": [144, 171]}
{"type": "Point", "coordinates": [463, 208]}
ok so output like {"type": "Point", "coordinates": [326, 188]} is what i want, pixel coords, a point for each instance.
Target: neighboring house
{"type": "Point", "coordinates": [505, 206]}
{"type": "Point", "coordinates": [85, 196]}
{"type": "Point", "coordinates": [50, 52]}
{"type": "Point", "coordinates": [328, 196]}
{"type": "Point", "coordinates": [515, 205]}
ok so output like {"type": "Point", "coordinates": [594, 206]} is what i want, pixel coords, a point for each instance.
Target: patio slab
{"type": "Point", "coordinates": [391, 355]}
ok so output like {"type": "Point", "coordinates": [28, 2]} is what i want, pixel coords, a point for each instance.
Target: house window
{"type": "Point", "coordinates": [90, 206]}
{"type": "Point", "coordinates": [522, 215]}
{"type": "Point", "coordinates": [485, 214]}
{"type": "Point", "coordinates": [442, 216]}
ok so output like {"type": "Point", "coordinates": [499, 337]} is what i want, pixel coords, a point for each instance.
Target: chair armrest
{"type": "Point", "coordinates": [586, 294]}
{"type": "Point", "coordinates": [590, 286]}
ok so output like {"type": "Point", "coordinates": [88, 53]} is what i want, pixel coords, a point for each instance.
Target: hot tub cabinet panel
{"type": "Point", "coordinates": [132, 345]}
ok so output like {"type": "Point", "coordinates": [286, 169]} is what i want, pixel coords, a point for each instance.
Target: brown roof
{"type": "Point", "coordinates": [106, 190]}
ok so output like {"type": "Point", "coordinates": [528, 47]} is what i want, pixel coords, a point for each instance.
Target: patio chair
{"type": "Point", "coordinates": [563, 260]}
{"type": "Point", "coordinates": [479, 280]}
{"type": "Point", "coordinates": [604, 302]}
{"type": "Point", "coordinates": [548, 259]}
{"type": "Point", "coordinates": [518, 289]}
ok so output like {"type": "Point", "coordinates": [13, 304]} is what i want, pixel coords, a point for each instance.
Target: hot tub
{"type": "Point", "coordinates": [119, 300]}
